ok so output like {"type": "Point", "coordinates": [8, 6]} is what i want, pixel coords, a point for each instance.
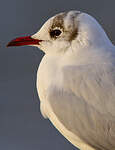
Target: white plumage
{"type": "Point", "coordinates": [76, 83]}
{"type": "Point", "coordinates": [76, 80]}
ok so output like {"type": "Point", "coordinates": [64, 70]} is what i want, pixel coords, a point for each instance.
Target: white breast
{"type": "Point", "coordinates": [46, 79]}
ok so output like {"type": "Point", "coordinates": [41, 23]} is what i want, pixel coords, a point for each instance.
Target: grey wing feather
{"type": "Point", "coordinates": [86, 104]}
{"type": "Point", "coordinates": [95, 84]}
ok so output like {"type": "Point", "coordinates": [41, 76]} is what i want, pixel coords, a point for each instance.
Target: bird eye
{"type": "Point", "coordinates": [55, 33]}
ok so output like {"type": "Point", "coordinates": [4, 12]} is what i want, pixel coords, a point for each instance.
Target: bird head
{"type": "Point", "coordinates": [68, 30]}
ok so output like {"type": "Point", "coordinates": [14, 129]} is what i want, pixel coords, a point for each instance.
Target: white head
{"type": "Point", "coordinates": [66, 30]}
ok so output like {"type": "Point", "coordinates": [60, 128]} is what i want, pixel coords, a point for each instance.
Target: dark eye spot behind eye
{"type": "Point", "coordinates": [55, 33]}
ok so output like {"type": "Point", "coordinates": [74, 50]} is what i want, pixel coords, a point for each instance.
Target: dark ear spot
{"type": "Point", "coordinates": [73, 35]}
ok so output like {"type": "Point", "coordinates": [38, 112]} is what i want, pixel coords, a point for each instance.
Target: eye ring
{"type": "Point", "coordinates": [55, 33]}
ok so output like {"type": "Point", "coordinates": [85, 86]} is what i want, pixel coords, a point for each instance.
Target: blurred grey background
{"type": "Point", "coordinates": [21, 125]}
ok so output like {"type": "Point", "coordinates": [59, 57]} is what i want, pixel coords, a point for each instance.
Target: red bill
{"type": "Point", "coordinates": [21, 41]}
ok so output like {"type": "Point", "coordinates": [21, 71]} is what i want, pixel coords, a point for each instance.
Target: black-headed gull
{"type": "Point", "coordinates": [76, 79]}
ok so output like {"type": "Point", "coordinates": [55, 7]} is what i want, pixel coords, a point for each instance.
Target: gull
{"type": "Point", "coordinates": [76, 79]}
